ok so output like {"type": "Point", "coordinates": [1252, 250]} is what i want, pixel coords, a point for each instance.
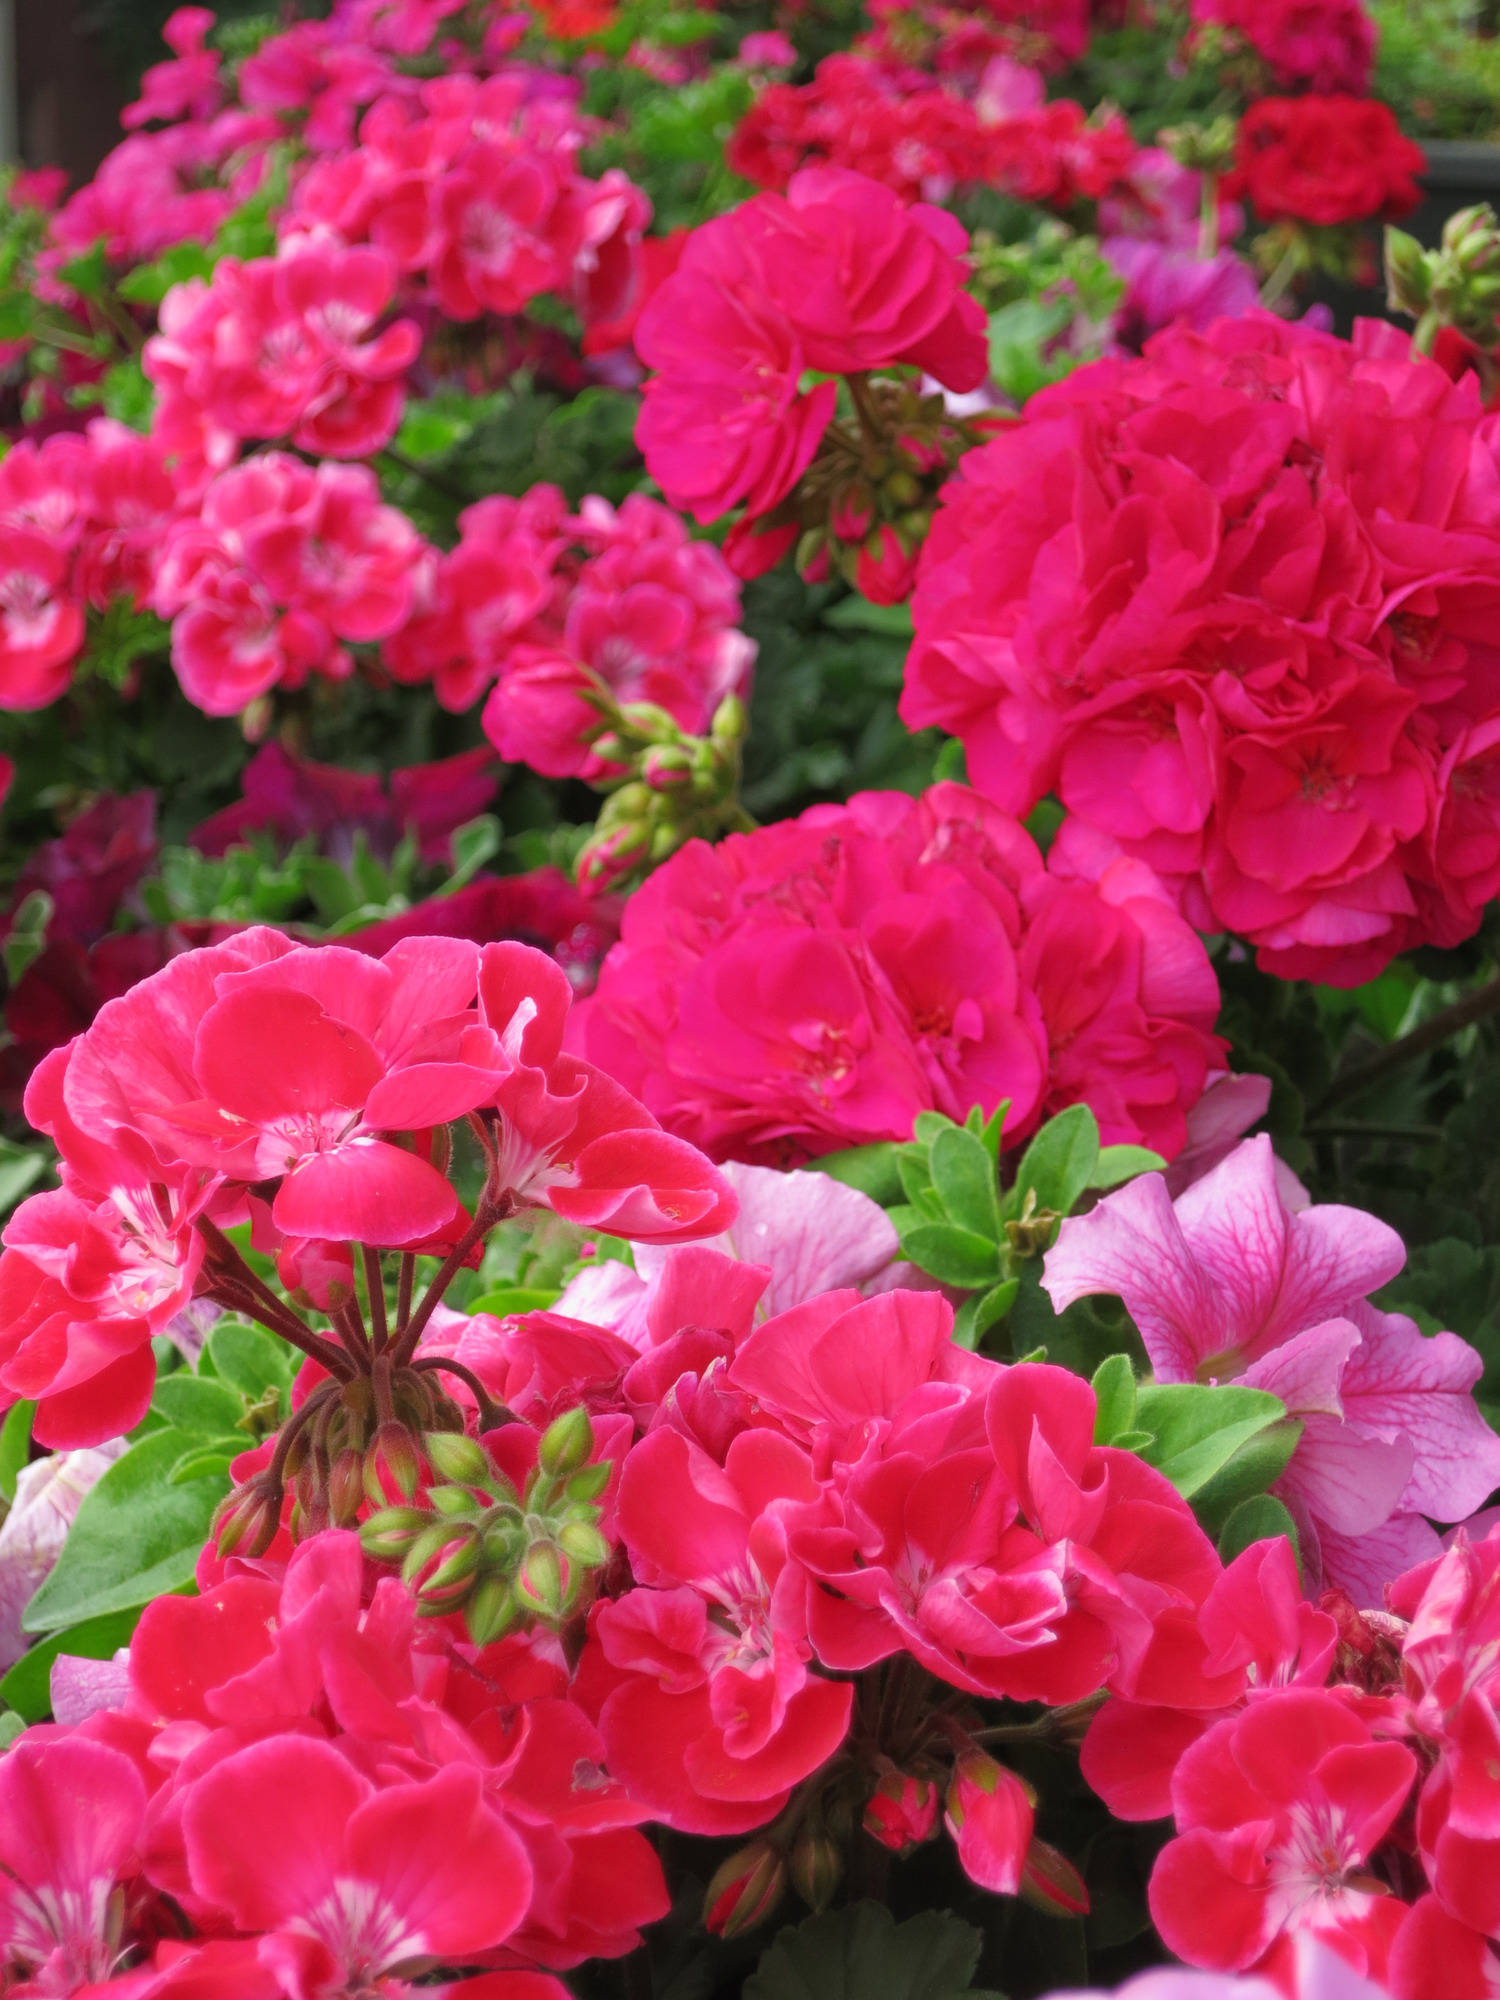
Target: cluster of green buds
{"type": "Point", "coordinates": [863, 507]}
{"type": "Point", "coordinates": [1204, 145]}
{"type": "Point", "coordinates": [472, 1542]}
{"type": "Point", "coordinates": [665, 787]}
{"type": "Point", "coordinates": [1457, 284]}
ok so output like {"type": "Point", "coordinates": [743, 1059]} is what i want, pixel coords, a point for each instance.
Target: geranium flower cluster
{"type": "Point", "coordinates": [833, 1490]}
{"type": "Point", "coordinates": [1324, 160]}
{"type": "Point", "coordinates": [307, 1090]}
{"type": "Point", "coordinates": [473, 189]}
{"type": "Point", "coordinates": [281, 347]}
{"type": "Point", "coordinates": [81, 520]}
{"type": "Point", "coordinates": [1231, 601]}
{"type": "Point", "coordinates": [1240, 1280]}
{"type": "Point", "coordinates": [278, 570]}
{"type": "Point", "coordinates": [899, 127]}
{"type": "Point", "coordinates": [563, 607]}
{"type": "Point", "coordinates": [837, 277]}
{"type": "Point", "coordinates": [1322, 45]}
{"type": "Point", "coordinates": [816, 984]}
{"type": "Point", "coordinates": [1327, 1772]}
{"type": "Point", "coordinates": [451, 1807]}
{"type": "Point", "coordinates": [962, 37]}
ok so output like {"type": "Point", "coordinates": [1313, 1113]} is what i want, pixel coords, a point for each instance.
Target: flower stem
{"type": "Point", "coordinates": [1475, 1006]}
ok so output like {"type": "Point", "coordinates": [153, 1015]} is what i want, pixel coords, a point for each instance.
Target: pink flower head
{"type": "Point", "coordinates": [41, 625]}
{"type": "Point", "coordinates": [837, 275]}
{"type": "Point", "coordinates": [716, 1717]}
{"type": "Point", "coordinates": [1232, 1283]}
{"type": "Point", "coordinates": [1265, 729]}
{"type": "Point", "coordinates": [356, 1883]}
{"type": "Point", "coordinates": [72, 1816]}
{"type": "Point", "coordinates": [283, 563]}
{"type": "Point", "coordinates": [572, 1139]}
{"type": "Point", "coordinates": [819, 983]}
{"type": "Point", "coordinates": [189, 86]}
{"type": "Point", "coordinates": [286, 346]}
{"type": "Point", "coordinates": [1278, 1810]}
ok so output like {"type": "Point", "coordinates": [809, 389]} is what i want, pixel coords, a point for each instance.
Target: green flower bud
{"type": "Point", "coordinates": [491, 1610]}
{"type": "Point", "coordinates": [457, 1457]}
{"type": "Point", "coordinates": [541, 1583]}
{"type": "Point", "coordinates": [583, 1544]}
{"type": "Point", "coordinates": [567, 1444]}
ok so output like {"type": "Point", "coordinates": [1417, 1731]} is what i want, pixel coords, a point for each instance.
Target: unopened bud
{"type": "Point", "coordinates": [457, 1457]}
{"type": "Point", "coordinates": [246, 1522]}
{"type": "Point", "coordinates": [816, 1868]}
{"type": "Point", "coordinates": [452, 1502]}
{"type": "Point", "coordinates": [346, 1488]}
{"type": "Point", "coordinates": [583, 1544]}
{"type": "Point", "coordinates": [389, 1534]}
{"type": "Point", "coordinates": [666, 766]}
{"type": "Point", "coordinates": [1051, 1883]}
{"type": "Point", "coordinates": [453, 1579]}
{"type": "Point", "coordinates": [731, 720]}
{"type": "Point", "coordinates": [491, 1610]}
{"type": "Point", "coordinates": [541, 1583]}
{"type": "Point", "coordinates": [1408, 276]}
{"type": "Point", "coordinates": [504, 1538]}
{"type": "Point", "coordinates": [902, 1810]}
{"type": "Point", "coordinates": [425, 1548]}
{"type": "Point", "coordinates": [589, 1481]}
{"type": "Point", "coordinates": [745, 1890]}
{"type": "Point", "coordinates": [567, 1444]}
{"type": "Point", "coordinates": [392, 1468]}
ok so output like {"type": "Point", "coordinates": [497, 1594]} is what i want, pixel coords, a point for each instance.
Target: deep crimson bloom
{"type": "Point", "coordinates": [1324, 160]}
{"type": "Point", "coordinates": [1312, 44]}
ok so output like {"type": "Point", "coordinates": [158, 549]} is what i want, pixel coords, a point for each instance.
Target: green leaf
{"type": "Point", "coordinates": [1115, 1395]}
{"type": "Point", "coordinates": [964, 1176]}
{"type": "Point", "coordinates": [199, 1406]}
{"type": "Point", "coordinates": [148, 284]}
{"type": "Point", "coordinates": [20, 1168]}
{"type": "Point", "coordinates": [871, 1169]}
{"type": "Point", "coordinates": [1197, 1427]}
{"type": "Point", "coordinates": [914, 1173]}
{"type": "Point", "coordinates": [27, 936]}
{"type": "Point", "coordinates": [514, 1299]}
{"type": "Point", "coordinates": [249, 1359]}
{"type": "Point", "coordinates": [1259, 1519]}
{"type": "Point", "coordinates": [1060, 1162]}
{"type": "Point", "coordinates": [862, 1953]}
{"type": "Point", "coordinates": [977, 1315]}
{"type": "Point", "coordinates": [135, 1537]}
{"type": "Point", "coordinates": [15, 1447]}
{"type": "Point", "coordinates": [206, 1461]}
{"type": "Point", "coordinates": [11, 1726]}
{"type": "Point", "coordinates": [953, 1256]}
{"type": "Point", "coordinates": [1257, 1464]}
{"type": "Point", "coordinates": [1122, 1163]}
{"type": "Point", "coordinates": [87, 273]}
{"type": "Point", "coordinates": [28, 1685]}
{"type": "Point", "coordinates": [474, 843]}
{"type": "Point", "coordinates": [857, 614]}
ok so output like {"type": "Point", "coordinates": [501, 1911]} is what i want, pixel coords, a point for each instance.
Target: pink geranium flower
{"type": "Point", "coordinates": [1234, 1283]}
